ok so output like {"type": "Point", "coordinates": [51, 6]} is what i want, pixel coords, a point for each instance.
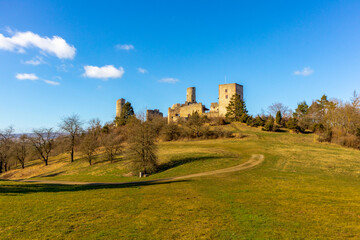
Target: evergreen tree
{"type": "Point", "coordinates": [127, 112]}
{"type": "Point", "coordinates": [236, 109]}
{"type": "Point", "coordinates": [301, 110]}
{"type": "Point", "coordinates": [292, 124]}
{"type": "Point", "coordinates": [269, 125]}
{"type": "Point", "coordinates": [278, 117]}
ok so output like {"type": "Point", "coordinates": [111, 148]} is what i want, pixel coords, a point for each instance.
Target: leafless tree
{"type": "Point", "coordinates": [6, 137]}
{"type": "Point", "coordinates": [90, 141]}
{"type": "Point", "coordinates": [43, 142]}
{"type": "Point", "coordinates": [111, 139]}
{"type": "Point", "coordinates": [275, 107]}
{"type": "Point", "coordinates": [142, 147]}
{"type": "Point", "coordinates": [72, 126]}
{"type": "Point", "coordinates": [21, 149]}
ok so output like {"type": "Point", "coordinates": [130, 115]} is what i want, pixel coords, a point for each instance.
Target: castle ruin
{"type": "Point", "coordinates": [183, 111]}
{"type": "Point", "coordinates": [217, 109]}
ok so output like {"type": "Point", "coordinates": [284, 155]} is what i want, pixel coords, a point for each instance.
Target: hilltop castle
{"type": "Point", "coordinates": [217, 109]}
{"type": "Point", "coordinates": [183, 111]}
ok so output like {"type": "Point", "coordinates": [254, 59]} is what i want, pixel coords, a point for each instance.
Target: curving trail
{"type": "Point", "coordinates": [255, 160]}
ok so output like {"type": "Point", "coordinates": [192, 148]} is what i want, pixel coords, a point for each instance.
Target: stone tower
{"type": "Point", "coordinates": [119, 105]}
{"type": "Point", "coordinates": [226, 91]}
{"type": "Point", "coordinates": [191, 95]}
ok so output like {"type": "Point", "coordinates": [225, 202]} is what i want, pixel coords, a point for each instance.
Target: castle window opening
{"type": "Point", "coordinates": [226, 96]}
{"type": "Point", "coordinates": [225, 90]}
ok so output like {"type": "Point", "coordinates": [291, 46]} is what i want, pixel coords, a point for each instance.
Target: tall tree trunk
{"type": "Point", "coordinates": [72, 148]}
{"type": "Point", "coordinates": [72, 154]}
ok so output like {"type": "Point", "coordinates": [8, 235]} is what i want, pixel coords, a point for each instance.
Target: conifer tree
{"type": "Point", "coordinates": [127, 112]}
{"type": "Point", "coordinates": [278, 117]}
{"type": "Point", "coordinates": [236, 108]}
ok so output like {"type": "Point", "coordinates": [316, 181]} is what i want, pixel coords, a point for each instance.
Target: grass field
{"type": "Point", "coordinates": [303, 190]}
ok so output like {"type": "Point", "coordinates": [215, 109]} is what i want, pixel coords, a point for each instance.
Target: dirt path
{"type": "Point", "coordinates": [255, 160]}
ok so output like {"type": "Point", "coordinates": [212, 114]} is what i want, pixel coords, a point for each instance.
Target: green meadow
{"type": "Point", "coordinates": [302, 190]}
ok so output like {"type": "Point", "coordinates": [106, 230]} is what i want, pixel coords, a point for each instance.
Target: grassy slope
{"type": "Point", "coordinates": [303, 189]}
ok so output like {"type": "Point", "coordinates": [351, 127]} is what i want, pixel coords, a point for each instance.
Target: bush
{"type": "Point", "coordinates": [349, 141]}
{"type": "Point", "coordinates": [292, 125]}
{"type": "Point", "coordinates": [171, 132]}
{"type": "Point", "coordinates": [217, 121]}
{"type": "Point", "coordinates": [222, 133]}
{"type": "Point", "coordinates": [249, 121]}
{"type": "Point", "coordinates": [258, 122]}
{"type": "Point", "coordinates": [269, 125]}
{"type": "Point", "coordinates": [244, 118]}
{"type": "Point", "coordinates": [158, 123]}
{"type": "Point", "coordinates": [324, 136]}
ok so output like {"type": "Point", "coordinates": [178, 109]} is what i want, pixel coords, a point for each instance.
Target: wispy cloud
{"type": "Point", "coordinates": [105, 72]}
{"type": "Point", "coordinates": [52, 82]}
{"type": "Point", "coordinates": [142, 70]}
{"type": "Point", "coordinates": [64, 67]}
{"type": "Point", "coordinates": [168, 80]}
{"type": "Point", "coordinates": [19, 41]}
{"type": "Point", "coordinates": [305, 72]}
{"type": "Point", "coordinates": [35, 61]}
{"type": "Point", "coordinates": [26, 76]}
{"type": "Point", "coordinates": [126, 47]}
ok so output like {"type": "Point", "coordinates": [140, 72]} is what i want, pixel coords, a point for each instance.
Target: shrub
{"type": "Point", "coordinates": [171, 132]}
{"type": "Point", "coordinates": [217, 121]}
{"type": "Point", "coordinates": [222, 133]}
{"type": "Point", "coordinates": [244, 118]}
{"type": "Point", "coordinates": [258, 122]}
{"type": "Point", "coordinates": [269, 125]}
{"type": "Point", "coordinates": [292, 125]}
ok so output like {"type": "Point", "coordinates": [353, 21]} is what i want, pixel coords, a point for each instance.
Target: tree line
{"type": "Point", "coordinates": [135, 139]}
{"type": "Point", "coordinates": [332, 120]}
{"type": "Point", "coordinates": [129, 135]}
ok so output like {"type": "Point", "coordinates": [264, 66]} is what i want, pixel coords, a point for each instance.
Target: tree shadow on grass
{"type": "Point", "coordinates": [51, 174]}
{"type": "Point", "coordinates": [177, 162]}
{"type": "Point", "coordinates": [24, 188]}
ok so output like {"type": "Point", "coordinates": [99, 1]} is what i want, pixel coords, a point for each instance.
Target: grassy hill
{"type": "Point", "coordinates": [303, 189]}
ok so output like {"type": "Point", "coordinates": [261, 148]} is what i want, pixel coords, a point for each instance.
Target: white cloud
{"type": "Point", "coordinates": [20, 40]}
{"type": "Point", "coordinates": [35, 61]}
{"type": "Point", "coordinates": [105, 72]}
{"type": "Point", "coordinates": [305, 72]}
{"type": "Point", "coordinates": [52, 82]}
{"type": "Point", "coordinates": [142, 70]}
{"type": "Point", "coordinates": [125, 47]}
{"type": "Point", "coordinates": [168, 80]}
{"type": "Point", "coordinates": [26, 76]}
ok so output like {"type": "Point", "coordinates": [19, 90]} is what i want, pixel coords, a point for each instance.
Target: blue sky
{"type": "Point", "coordinates": [53, 53]}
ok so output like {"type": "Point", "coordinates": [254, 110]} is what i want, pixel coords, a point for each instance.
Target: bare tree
{"type": "Point", "coordinates": [21, 148]}
{"type": "Point", "coordinates": [142, 147]}
{"type": "Point", "coordinates": [275, 107]}
{"type": "Point", "coordinates": [6, 137]}
{"type": "Point", "coordinates": [111, 140]}
{"type": "Point", "coordinates": [43, 142]}
{"type": "Point", "coordinates": [90, 141]}
{"type": "Point", "coordinates": [72, 126]}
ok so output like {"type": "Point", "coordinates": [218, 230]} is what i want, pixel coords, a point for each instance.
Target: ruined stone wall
{"type": "Point", "coordinates": [214, 107]}
{"type": "Point", "coordinates": [183, 111]}
{"type": "Point", "coordinates": [226, 91]}
{"type": "Point", "coordinates": [151, 114]}
{"type": "Point", "coordinates": [187, 110]}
